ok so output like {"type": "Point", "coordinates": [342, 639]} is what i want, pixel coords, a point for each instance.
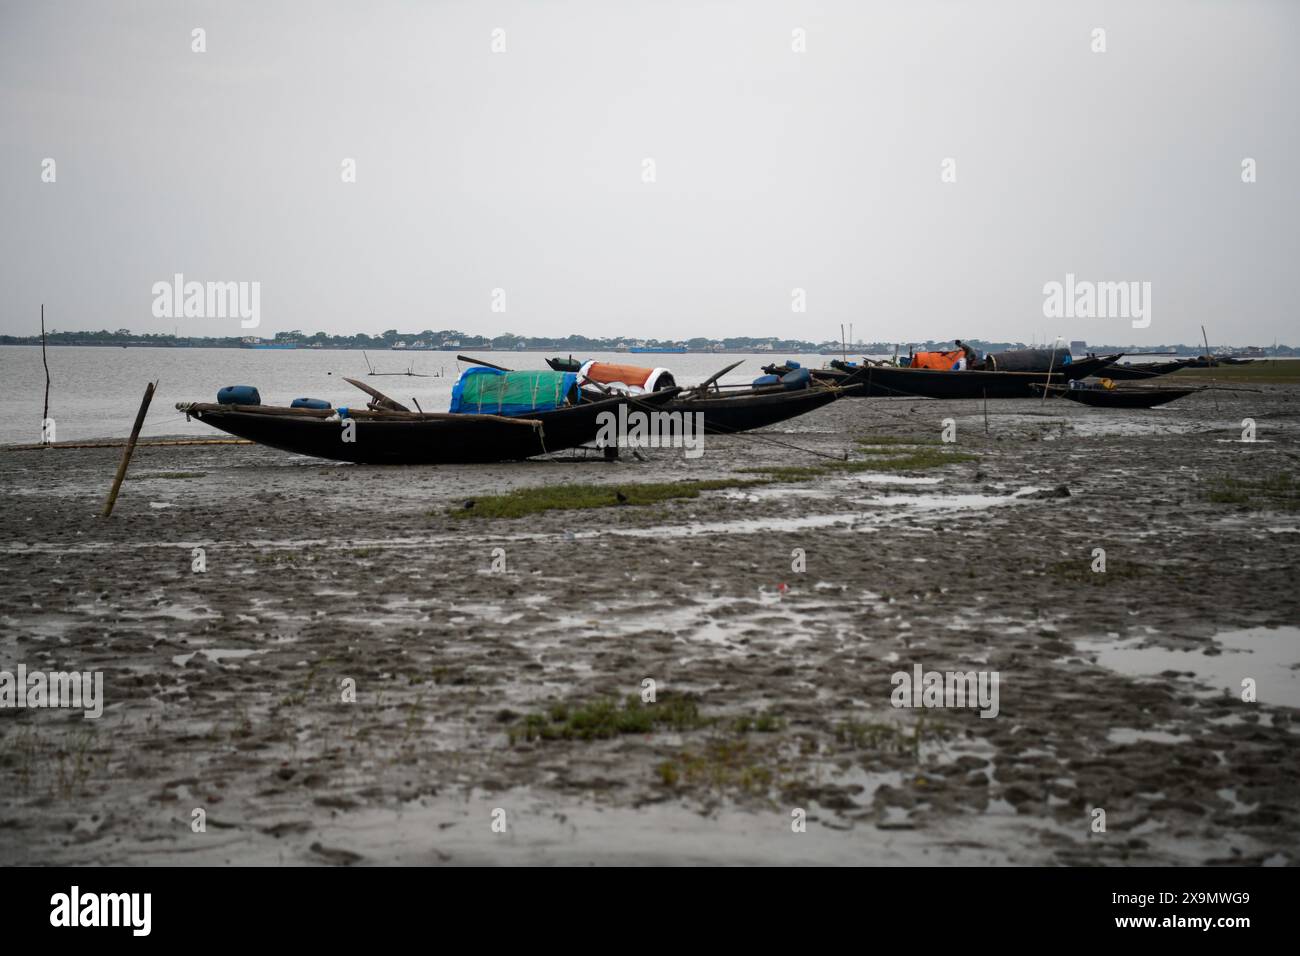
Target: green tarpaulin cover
{"type": "Point", "coordinates": [487, 391]}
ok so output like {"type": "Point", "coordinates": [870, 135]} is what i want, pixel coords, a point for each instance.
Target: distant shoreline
{"type": "Point", "coordinates": [870, 349]}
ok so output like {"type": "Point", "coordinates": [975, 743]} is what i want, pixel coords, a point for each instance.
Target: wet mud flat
{"type": "Point", "coordinates": [498, 665]}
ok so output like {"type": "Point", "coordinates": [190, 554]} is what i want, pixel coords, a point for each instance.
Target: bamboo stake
{"type": "Point", "coordinates": [45, 415]}
{"type": "Point", "coordinates": [1050, 366]}
{"type": "Point", "coordinates": [130, 447]}
{"type": "Point", "coordinates": [1209, 363]}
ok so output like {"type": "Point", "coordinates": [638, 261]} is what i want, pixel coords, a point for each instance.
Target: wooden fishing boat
{"type": "Point", "coordinates": [827, 376]}
{"type": "Point", "coordinates": [726, 412]}
{"type": "Point", "coordinates": [888, 381]}
{"type": "Point", "coordinates": [415, 438]}
{"type": "Point", "coordinates": [1131, 397]}
{"type": "Point", "coordinates": [569, 364]}
{"type": "Point", "coordinates": [386, 433]}
{"type": "Point", "coordinates": [1141, 370]}
{"type": "Point", "coordinates": [728, 409]}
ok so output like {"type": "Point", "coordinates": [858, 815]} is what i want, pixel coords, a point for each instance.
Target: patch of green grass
{"type": "Point", "coordinates": [524, 502]}
{"type": "Point", "coordinates": [603, 719]}
{"type": "Point", "coordinates": [668, 773]}
{"type": "Point", "coordinates": [1079, 571]}
{"type": "Point", "coordinates": [1260, 370]}
{"type": "Point", "coordinates": [763, 723]}
{"type": "Point", "coordinates": [74, 764]}
{"type": "Point", "coordinates": [22, 752]}
{"type": "Point", "coordinates": [277, 557]}
{"type": "Point", "coordinates": [529, 501]}
{"type": "Point", "coordinates": [1280, 492]}
{"type": "Point", "coordinates": [888, 738]}
{"type": "Point", "coordinates": [720, 765]}
{"type": "Point", "coordinates": [59, 762]}
{"type": "Point", "coordinates": [168, 474]}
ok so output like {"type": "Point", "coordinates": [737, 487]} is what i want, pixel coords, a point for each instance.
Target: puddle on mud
{"type": "Point", "coordinates": [872, 478]}
{"type": "Point", "coordinates": [950, 502]}
{"type": "Point", "coordinates": [1268, 655]}
{"type": "Point", "coordinates": [215, 654]}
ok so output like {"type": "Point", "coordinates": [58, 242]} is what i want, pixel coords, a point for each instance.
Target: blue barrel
{"type": "Point", "coordinates": [766, 380]}
{"type": "Point", "coordinates": [238, 395]}
{"type": "Point", "coordinates": [309, 403]}
{"type": "Point", "coordinates": [791, 363]}
{"type": "Point", "coordinates": [799, 378]}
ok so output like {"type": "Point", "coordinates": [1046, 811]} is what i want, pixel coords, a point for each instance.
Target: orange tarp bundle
{"type": "Point", "coordinates": [946, 361]}
{"type": "Point", "coordinates": [606, 373]}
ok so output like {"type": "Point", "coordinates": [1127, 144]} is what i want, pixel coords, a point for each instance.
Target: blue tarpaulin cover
{"type": "Point", "coordinates": [488, 391]}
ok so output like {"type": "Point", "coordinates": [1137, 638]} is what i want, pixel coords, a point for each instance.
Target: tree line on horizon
{"type": "Point", "coordinates": [565, 344]}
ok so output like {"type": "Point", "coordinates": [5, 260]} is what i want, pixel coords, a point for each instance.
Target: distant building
{"type": "Point", "coordinates": [1079, 348]}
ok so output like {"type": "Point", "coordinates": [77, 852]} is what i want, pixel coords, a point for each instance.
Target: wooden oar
{"type": "Point", "coordinates": [704, 386]}
{"type": "Point", "coordinates": [474, 361]}
{"type": "Point", "coordinates": [380, 398]}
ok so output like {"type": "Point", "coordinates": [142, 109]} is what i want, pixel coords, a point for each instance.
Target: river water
{"type": "Point", "coordinates": [95, 392]}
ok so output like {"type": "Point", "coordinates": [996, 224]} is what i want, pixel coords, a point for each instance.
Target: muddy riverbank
{"type": "Point", "coordinates": [492, 660]}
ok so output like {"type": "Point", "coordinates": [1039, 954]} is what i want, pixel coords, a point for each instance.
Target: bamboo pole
{"type": "Point", "coordinates": [1050, 366]}
{"type": "Point", "coordinates": [130, 447]}
{"type": "Point", "coordinates": [45, 415]}
{"type": "Point", "coordinates": [1209, 363]}
{"type": "Point", "coordinates": [474, 361]}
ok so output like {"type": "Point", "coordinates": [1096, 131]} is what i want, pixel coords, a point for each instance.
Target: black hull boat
{"type": "Point", "coordinates": [731, 409]}
{"type": "Point", "coordinates": [1133, 397]}
{"type": "Point", "coordinates": [825, 376]}
{"type": "Point", "coordinates": [887, 381]}
{"type": "Point", "coordinates": [726, 414]}
{"type": "Point", "coordinates": [1142, 370]}
{"type": "Point", "coordinates": [383, 437]}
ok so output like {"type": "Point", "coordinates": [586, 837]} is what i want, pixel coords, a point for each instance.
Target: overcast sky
{"type": "Point", "coordinates": [774, 170]}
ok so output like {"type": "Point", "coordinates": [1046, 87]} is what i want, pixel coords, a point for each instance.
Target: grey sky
{"type": "Point", "coordinates": [776, 170]}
